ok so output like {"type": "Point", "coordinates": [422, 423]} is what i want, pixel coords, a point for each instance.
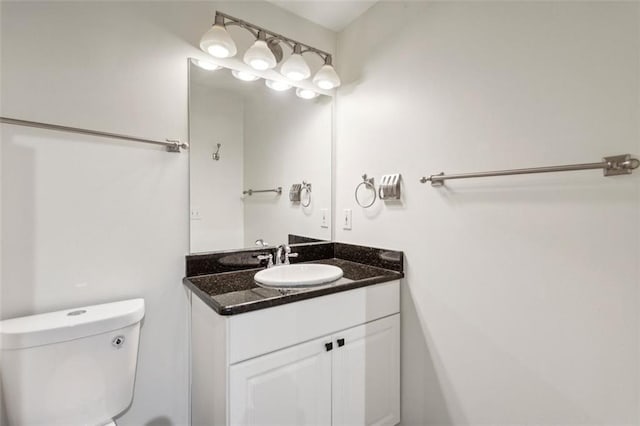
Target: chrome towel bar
{"type": "Point", "coordinates": [172, 145]}
{"type": "Point", "coordinates": [611, 166]}
{"type": "Point", "coordinates": [277, 190]}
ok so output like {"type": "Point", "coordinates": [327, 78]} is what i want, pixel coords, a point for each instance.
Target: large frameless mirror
{"type": "Point", "coordinates": [259, 162]}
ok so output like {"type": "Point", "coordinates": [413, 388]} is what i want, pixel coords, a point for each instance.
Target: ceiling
{"type": "Point", "coordinates": [332, 14]}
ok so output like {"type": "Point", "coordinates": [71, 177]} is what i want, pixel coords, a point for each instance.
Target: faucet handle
{"type": "Point", "coordinates": [268, 257]}
{"type": "Point", "coordinates": [288, 255]}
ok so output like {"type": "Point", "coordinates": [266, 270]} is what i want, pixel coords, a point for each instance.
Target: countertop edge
{"type": "Point", "coordinates": [295, 297]}
{"type": "Point", "coordinates": [202, 295]}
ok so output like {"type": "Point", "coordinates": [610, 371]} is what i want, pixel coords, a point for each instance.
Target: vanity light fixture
{"type": "Point", "coordinates": [306, 93]}
{"type": "Point", "coordinates": [244, 75]}
{"type": "Point", "coordinates": [217, 41]}
{"type": "Point", "coordinates": [259, 56]}
{"type": "Point", "coordinates": [327, 77]}
{"type": "Point", "coordinates": [279, 86]}
{"type": "Point", "coordinates": [266, 52]}
{"type": "Point", "coordinates": [295, 68]}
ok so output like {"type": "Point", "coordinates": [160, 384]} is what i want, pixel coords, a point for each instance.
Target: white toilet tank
{"type": "Point", "coordinates": [71, 367]}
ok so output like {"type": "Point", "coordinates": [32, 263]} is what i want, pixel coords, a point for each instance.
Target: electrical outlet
{"type": "Point", "coordinates": [346, 219]}
{"type": "Point", "coordinates": [325, 218]}
{"type": "Point", "coordinates": [195, 213]}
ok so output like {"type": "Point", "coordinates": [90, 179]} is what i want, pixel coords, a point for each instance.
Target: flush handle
{"type": "Point", "coordinates": [118, 341]}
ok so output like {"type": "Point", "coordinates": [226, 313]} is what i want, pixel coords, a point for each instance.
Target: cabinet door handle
{"type": "Point", "coordinates": [328, 346]}
{"type": "Point", "coordinates": [340, 342]}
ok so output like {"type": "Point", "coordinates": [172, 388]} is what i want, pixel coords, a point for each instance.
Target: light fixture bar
{"type": "Point", "coordinates": [227, 20]}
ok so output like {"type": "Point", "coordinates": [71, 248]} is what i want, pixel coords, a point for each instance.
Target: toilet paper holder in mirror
{"type": "Point", "coordinates": [297, 192]}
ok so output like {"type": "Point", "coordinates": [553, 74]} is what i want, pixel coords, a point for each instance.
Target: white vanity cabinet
{"type": "Point", "coordinates": [330, 360]}
{"type": "Point", "coordinates": [349, 378]}
{"type": "Point", "coordinates": [366, 374]}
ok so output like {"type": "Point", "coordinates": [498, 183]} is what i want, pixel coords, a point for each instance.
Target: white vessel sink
{"type": "Point", "coordinates": [298, 275]}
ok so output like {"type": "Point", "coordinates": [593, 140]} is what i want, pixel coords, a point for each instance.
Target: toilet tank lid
{"type": "Point", "coordinates": [69, 324]}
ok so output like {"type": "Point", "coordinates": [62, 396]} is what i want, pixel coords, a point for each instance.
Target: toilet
{"type": "Point", "coordinates": [70, 367]}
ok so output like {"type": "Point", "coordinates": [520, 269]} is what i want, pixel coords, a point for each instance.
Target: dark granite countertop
{"type": "Point", "coordinates": [235, 292]}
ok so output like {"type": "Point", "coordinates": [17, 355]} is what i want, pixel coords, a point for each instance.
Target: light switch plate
{"type": "Point", "coordinates": [346, 219]}
{"type": "Point", "coordinates": [324, 221]}
{"type": "Point", "coordinates": [195, 213]}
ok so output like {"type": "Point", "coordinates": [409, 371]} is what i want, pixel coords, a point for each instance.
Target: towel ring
{"type": "Point", "coordinates": [368, 183]}
{"type": "Point", "coordinates": [307, 188]}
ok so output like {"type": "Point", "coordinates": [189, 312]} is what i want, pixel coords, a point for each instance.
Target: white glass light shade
{"type": "Point", "coordinates": [295, 68]}
{"type": "Point", "coordinates": [217, 42]}
{"type": "Point", "coordinates": [259, 56]}
{"type": "Point", "coordinates": [306, 93]}
{"type": "Point", "coordinates": [326, 78]}
{"type": "Point", "coordinates": [206, 65]}
{"type": "Point", "coordinates": [279, 86]}
{"type": "Point", "coordinates": [244, 76]}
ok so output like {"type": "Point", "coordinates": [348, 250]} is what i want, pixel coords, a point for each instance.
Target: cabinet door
{"type": "Point", "coordinates": [288, 387]}
{"type": "Point", "coordinates": [366, 374]}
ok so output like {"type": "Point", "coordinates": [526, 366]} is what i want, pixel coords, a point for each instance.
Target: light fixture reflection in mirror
{"type": "Point", "coordinates": [278, 86]}
{"type": "Point", "coordinates": [306, 93]}
{"type": "Point", "coordinates": [244, 75]}
{"type": "Point", "coordinates": [206, 65]}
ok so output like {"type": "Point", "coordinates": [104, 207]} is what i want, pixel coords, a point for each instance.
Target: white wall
{"type": "Point", "coordinates": [216, 116]}
{"type": "Point", "coordinates": [86, 220]}
{"type": "Point", "coordinates": [287, 141]}
{"type": "Point", "coordinates": [521, 300]}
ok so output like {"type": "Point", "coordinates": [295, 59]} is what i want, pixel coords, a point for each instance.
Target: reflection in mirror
{"type": "Point", "coordinates": [259, 162]}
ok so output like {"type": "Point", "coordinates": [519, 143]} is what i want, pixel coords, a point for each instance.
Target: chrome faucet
{"type": "Point", "coordinates": [262, 243]}
{"type": "Point", "coordinates": [286, 250]}
{"type": "Point", "coordinates": [281, 248]}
